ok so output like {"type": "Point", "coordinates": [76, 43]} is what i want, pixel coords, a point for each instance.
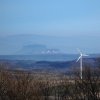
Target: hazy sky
{"type": "Point", "coordinates": [51, 17]}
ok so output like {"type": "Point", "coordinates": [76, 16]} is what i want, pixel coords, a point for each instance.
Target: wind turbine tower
{"type": "Point", "coordinates": [81, 62]}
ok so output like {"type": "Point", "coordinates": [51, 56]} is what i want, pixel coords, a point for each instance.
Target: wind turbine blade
{"type": "Point", "coordinates": [78, 59]}
{"type": "Point", "coordinates": [79, 50]}
{"type": "Point", "coordinates": [85, 55]}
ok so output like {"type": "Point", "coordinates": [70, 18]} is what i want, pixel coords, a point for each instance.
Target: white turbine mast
{"type": "Point", "coordinates": [81, 61]}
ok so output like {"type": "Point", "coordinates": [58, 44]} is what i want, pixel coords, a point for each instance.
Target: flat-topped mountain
{"type": "Point", "coordinates": [36, 49]}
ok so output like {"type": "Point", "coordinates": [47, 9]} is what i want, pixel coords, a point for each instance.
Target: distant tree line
{"type": "Point", "coordinates": [20, 85]}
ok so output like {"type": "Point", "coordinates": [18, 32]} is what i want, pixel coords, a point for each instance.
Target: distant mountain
{"type": "Point", "coordinates": [12, 44]}
{"type": "Point", "coordinates": [60, 66]}
{"type": "Point", "coordinates": [36, 49]}
{"type": "Point", "coordinates": [24, 43]}
{"type": "Point", "coordinates": [32, 49]}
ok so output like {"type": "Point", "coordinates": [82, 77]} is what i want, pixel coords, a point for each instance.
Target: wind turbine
{"type": "Point", "coordinates": [81, 61]}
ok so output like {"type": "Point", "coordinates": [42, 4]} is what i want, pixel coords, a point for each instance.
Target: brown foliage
{"type": "Point", "coordinates": [19, 85]}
